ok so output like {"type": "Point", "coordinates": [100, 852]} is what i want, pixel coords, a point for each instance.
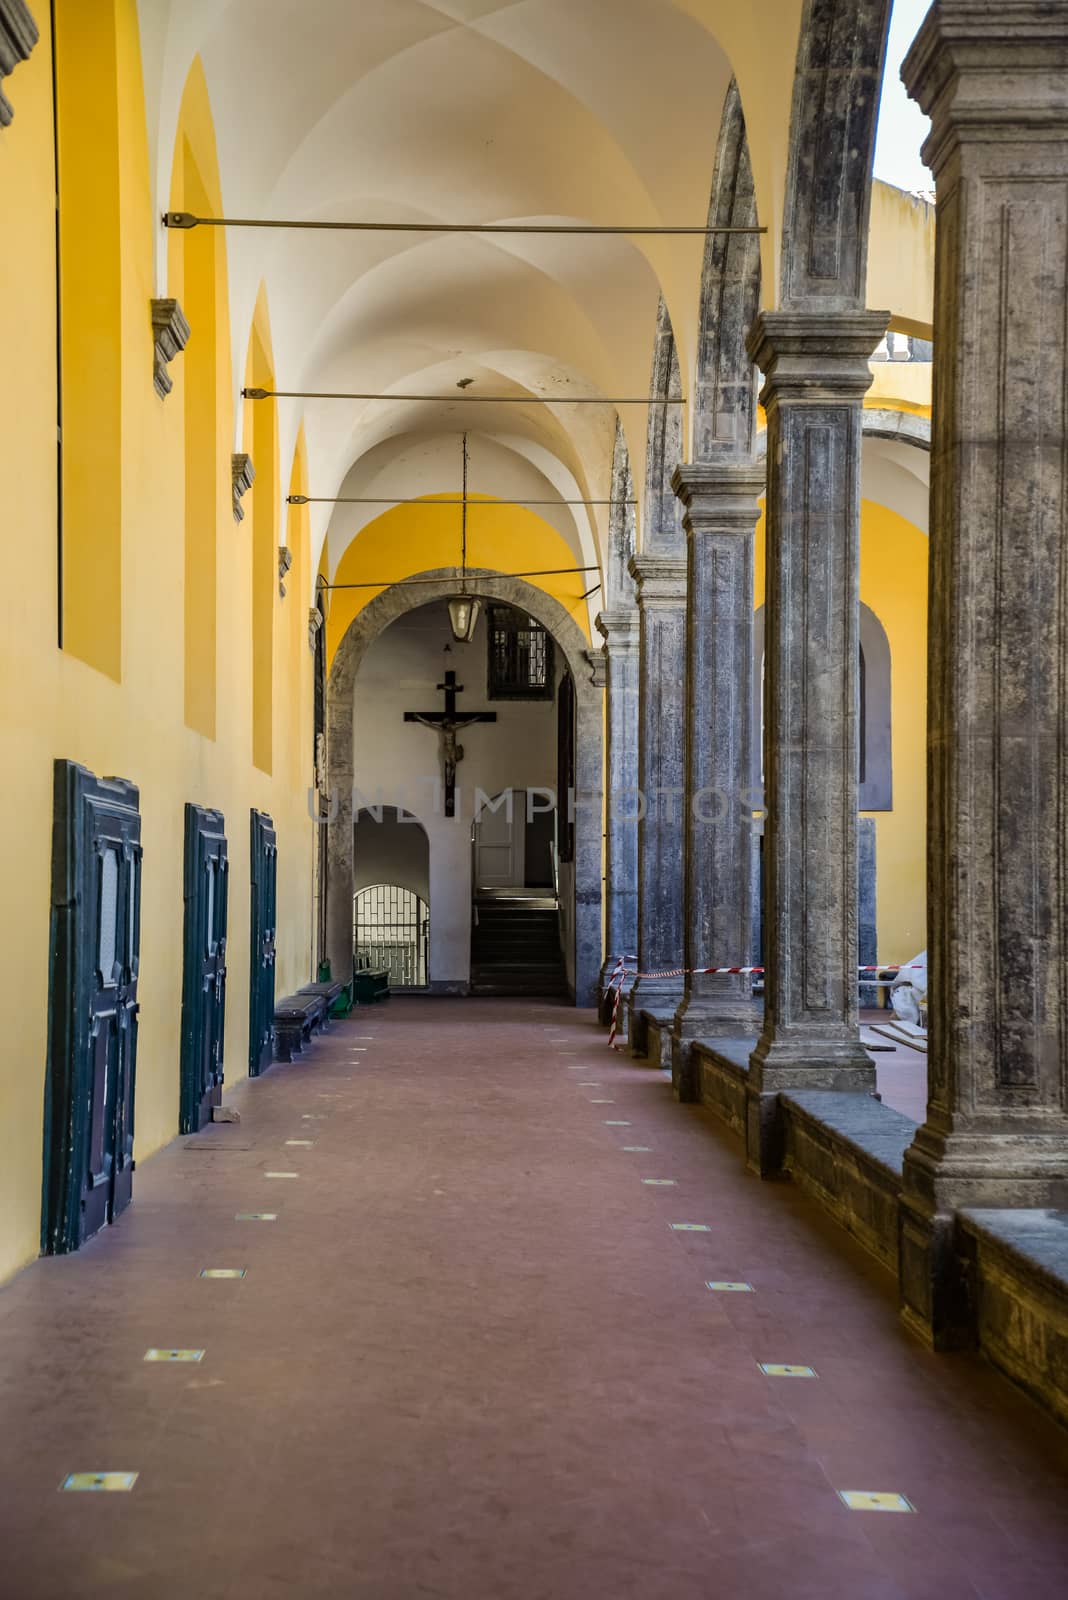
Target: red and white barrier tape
{"type": "Point", "coordinates": [622, 972]}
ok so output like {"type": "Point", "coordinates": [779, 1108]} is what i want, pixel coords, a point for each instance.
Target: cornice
{"type": "Point", "coordinates": [171, 334]}
{"type": "Point", "coordinates": [242, 474]}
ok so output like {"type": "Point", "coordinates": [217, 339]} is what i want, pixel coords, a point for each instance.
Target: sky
{"type": "Point", "coordinates": [902, 126]}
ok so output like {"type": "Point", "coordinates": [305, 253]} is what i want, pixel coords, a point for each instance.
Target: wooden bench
{"type": "Point", "coordinates": [296, 1018]}
{"type": "Point", "coordinates": [334, 993]}
{"type": "Point", "coordinates": [368, 983]}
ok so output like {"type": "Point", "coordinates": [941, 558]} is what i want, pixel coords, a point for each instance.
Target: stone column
{"type": "Point", "coordinates": [992, 78]}
{"type": "Point", "coordinates": [815, 366]}
{"type": "Point", "coordinates": [720, 515]}
{"type": "Point", "coordinates": [619, 628]}
{"type": "Point", "coordinates": [661, 588]}
{"type": "Point", "coordinates": [340, 845]}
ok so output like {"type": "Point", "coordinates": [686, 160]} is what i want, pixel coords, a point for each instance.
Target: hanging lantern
{"type": "Point", "coordinates": [463, 614]}
{"type": "Point", "coordinates": [464, 607]}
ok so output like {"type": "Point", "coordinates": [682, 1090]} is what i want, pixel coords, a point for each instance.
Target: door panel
{"type": "Point", "coordinates": [500, 837]}
{"type": "Point", "coordinates": [94, 965]}
{"type": "Point", "coordinates": [264, 881]}
{"type": "Point", "coordinates": [204, 971]}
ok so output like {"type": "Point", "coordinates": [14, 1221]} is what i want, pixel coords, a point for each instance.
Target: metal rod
{"type": "Point", "coordinates": [468, 399]}
{"type": "Point", "coordinates": [444, 505]}
{"type": "Point", "coordinates": [188, 219]}
{"type": "Point", "coordinates": [477, 578]}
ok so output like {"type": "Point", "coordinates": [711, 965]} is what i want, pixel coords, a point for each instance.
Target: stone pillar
{"type": "Point", "coordinates": [720, 515]}
{"type": "Point", "coordinates": [815, 366]}
{"type": "Point", "coordinates": [619, 628]}
{"type": "Point", "coordinates": [661, 588]}
{"type": "Point", "coordinates": [340, 845]}
{"type": "Point", "coordinates": [992, 78]}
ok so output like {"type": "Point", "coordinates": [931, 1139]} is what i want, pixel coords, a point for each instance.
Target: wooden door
{"type": "Point", "coordinates": [261, 943]}
{"type": "Point", "coordinates": [94, 965]}
{"type": "Point", "coordinates": [204, 971]}
{"type": "Point", "coordinates": [500, 841]}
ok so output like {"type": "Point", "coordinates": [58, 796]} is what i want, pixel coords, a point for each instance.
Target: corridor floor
{"type": "Point", "coordinates": [474, 1358]}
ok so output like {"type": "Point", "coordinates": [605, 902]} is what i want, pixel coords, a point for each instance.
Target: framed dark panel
{"type": "Point", "coordinates": [264, 899]}
{"type": "Point", "coordinates": [207, 877]}
{"type": "Point", "coordinates": [94, 962]}
{"type": "Point", "coordinates": [520, 663]}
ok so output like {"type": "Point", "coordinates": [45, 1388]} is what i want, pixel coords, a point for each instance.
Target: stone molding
{"type": "Point", "coordinates": [619, 628]}
{"type": "Point", "coordinates": [660, 578]}
{"type": "Point", "coordinates": [720, 496]}
{"type": "Point", "coordinates": [988, 71]}
{"type": "Point", "coordinates": [18, 35]}
{"type": "Point", "coordinates": [285, 561]}
{"type": "Point", "coordinates": [171, 335]}
{"type": "Point", "coordinates": [315, 622]}
{"type": "Point", "coordinates": [243, 475]}
{"type": "Point", "coordinates": [598, 667]}
{"type": "Point", "coordinates": [817, 356]}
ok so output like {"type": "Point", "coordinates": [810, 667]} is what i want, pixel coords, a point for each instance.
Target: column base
{"type": "Point", "coordinates": [836, 1060]}
{"type": "Point", "coordinates": [650, 1015]}
{"type": "Point", "coordinates": [708, 1020]}
{"type": "Point", "coordinates": [944, 1173]}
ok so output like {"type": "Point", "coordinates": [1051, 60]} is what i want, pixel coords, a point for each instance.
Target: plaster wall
{"type": "Point", "coordinates": [127, 719]}
{"type": "Point", "coordinates": [398, 763]}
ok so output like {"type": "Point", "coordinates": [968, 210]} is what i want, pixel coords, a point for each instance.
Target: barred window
{"type": "Point", "coordinates": [520, 656]}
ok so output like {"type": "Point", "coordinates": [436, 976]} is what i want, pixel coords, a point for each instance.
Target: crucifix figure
{"type": "Point", "coordinates": [446, 724]}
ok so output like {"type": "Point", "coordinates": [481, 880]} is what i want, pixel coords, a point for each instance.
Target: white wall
{"type": "Point", "coordinates": [398, 763]}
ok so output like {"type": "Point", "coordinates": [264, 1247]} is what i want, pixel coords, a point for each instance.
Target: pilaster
{"type": "Point", "coordinates": [720, 514]}
{"type": "Point", "coordinates": [815, 366]}
{"type": "Point", "coordinates": [620, 631]}
{"type": "Point", "coordinates": [992, 79]}
{"type": "Point", "coordinates": [661, 591]}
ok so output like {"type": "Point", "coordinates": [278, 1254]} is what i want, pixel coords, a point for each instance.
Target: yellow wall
{"type": "Point", "coordinates": [901, 259]}
{"type": "Point", "coordinates": [893, 584]}
{"type": "Point", "coordinates": [126, 714]}
{"type": "Point", "coordinates": [409, 540]}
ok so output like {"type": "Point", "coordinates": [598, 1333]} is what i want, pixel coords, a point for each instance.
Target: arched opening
{"type": "Point", "coordinates": [387, 746]}
{"type": "Point", "coordinates": [391, 899]}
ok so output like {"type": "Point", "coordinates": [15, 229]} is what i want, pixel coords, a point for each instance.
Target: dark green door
{"type": "Point", "coordinates": [95, 943]}
{"type": "Point", "coordinates": [261, 944]}
{"type": "Point", "coordinates": [204, 971]}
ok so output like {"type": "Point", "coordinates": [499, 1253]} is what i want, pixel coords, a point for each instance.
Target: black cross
{"type": "Point", "coordinates": [447, 724]}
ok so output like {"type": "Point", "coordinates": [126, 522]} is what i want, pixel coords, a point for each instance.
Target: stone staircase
{"type": "Point", "coordinates": [515, 946]}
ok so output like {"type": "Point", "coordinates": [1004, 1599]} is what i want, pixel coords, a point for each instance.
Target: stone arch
{"type": "Point", "coordinates": [622, 527]}
{"type": "Point", "coordinates": [361, 633]}
{"type": "Point", "coordinates": [662, 524]}
{"type": "Point", "coordinates": [832, 141]}
{"type": "Point", "coordinates": [725, 388]}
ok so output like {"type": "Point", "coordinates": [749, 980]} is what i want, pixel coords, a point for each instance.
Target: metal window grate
{"type": "Point", "coordinates": [520, 656]}
{"type": "Point", "coordinates": [391, 926]}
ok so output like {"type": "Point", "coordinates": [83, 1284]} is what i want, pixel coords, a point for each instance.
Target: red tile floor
{"type": "Point", "coordinates": [473, 1360]}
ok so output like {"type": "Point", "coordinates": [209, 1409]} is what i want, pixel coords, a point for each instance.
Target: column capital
{"type": "Point", "coordinates": [980, 71]}
{"type": "Point", "coordinates": [618, 627]}
{"type": "Point", "coordinates": [720, 496]}
{"type": "Point", "coordinates": [816, 356]}
{"type": "Point", "coordinates": [658, 577]}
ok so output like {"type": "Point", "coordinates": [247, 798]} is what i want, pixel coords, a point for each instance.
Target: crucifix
{"type": "Point", "coordinates": [446, 724]}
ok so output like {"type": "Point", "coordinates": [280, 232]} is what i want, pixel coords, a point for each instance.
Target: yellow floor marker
{"type": "Point", "coordinates": [306, 1143]}
{"type": "Point", "coordinates": [610, 1124]}
{"type": "Point", "coordinates": [731, 1288]}
{"type": "Point", "coordinates": [281, 1174]}
{"type": "Point", "coordinates": [660, 1183]}
{"type": "Point", "coordinates": [646, 1148]}
{"type": "Point", "coordinates": [223, 1272]}
{"type": "Point", "coordinates": [602, 1102]}
{"type": "Point", "coordinates": [99, 1482]}
{"type": "Point", "coordinates": [174, 1355]}
{"type": "Point", "coordinates": [690, 1227]}
{"type": "Point", "coordinates": [774, 1369]}
{"type": "Point", "coordinates": [872, 1500]}
{"type": "Point", "coordinates": [256, 1216]}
